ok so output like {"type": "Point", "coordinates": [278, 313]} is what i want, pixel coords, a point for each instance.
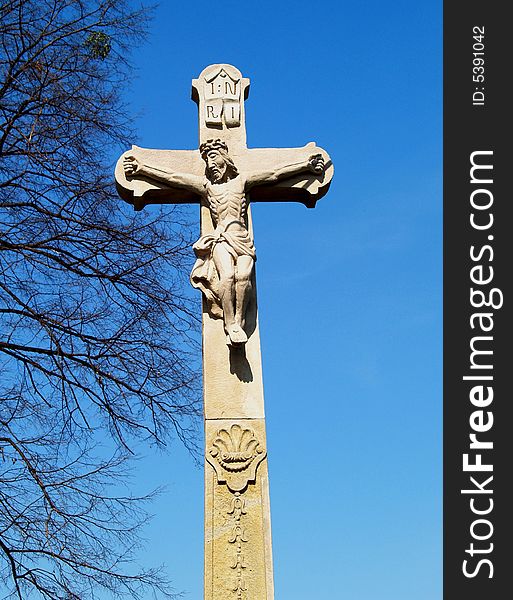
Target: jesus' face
{"type": "Point", "coordinates": [216, 166]}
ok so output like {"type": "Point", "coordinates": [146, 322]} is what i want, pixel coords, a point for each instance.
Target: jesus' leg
{"type": "Point", "coordinates": [243, 287]}
{"type": "Point", "coordinates": [225, 266]}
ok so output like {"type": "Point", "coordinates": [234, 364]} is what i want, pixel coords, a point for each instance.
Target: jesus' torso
{"type": "Point", "coordinates": [227, 201]}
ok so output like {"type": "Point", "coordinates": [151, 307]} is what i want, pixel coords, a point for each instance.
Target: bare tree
{"type": "Point", "coordinates": [96, 334]}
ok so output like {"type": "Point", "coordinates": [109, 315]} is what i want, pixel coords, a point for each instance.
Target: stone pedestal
{"type": "Point", "coordinates": [238, 553]}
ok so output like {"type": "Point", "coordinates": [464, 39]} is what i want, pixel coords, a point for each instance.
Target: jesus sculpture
{"type": "Point", "coordinates": [225, 258]}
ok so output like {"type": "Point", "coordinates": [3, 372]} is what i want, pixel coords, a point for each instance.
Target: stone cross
{"type": "Point", "coordinates": [224, 176]}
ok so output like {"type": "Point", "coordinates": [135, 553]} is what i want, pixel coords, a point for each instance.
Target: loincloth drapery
{"type": "Point", "coordinates": [204, 276]}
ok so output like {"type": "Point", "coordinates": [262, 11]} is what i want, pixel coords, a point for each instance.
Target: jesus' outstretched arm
{"type": "Point", "coordinates": [133, 167]}
{"type": "Point", "coordinates": [315, 164]}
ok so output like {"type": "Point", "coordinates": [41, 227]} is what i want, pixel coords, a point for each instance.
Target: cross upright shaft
{"type": "Point", "coordinates": [223, 177]}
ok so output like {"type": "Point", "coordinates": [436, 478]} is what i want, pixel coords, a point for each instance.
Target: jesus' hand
{"type": "Point", "coordinates": [131, 165]}
{"type": "Point", "coordinates": [316, 164]}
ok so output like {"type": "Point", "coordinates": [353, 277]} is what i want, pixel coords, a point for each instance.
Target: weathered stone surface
{"type": "Point", "coordinates": [238, 553]}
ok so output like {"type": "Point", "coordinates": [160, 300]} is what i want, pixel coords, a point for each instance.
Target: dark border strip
{"type": "Point", "coordinates": [478, 269]}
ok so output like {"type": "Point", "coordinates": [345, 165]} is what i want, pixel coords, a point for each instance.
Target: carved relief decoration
{"type": "Point", "coordinates": [235, 455]}
{"type": "Point", "coordinates": [222, 98]}
{"type": "Point", "coordinates": [238, 537]}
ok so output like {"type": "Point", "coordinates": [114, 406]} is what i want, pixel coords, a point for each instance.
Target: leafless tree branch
{"type": "Point", "coordinates": [98, 340]}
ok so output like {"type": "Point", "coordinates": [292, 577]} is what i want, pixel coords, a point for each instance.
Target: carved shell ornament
{"type": "Point", "coordinates": [236, 449]}
{"type": "Point", "coordinates": [235, 455]}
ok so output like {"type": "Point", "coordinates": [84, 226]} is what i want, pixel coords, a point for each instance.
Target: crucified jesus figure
{"type": "Point", "coordinates": [225, 258]}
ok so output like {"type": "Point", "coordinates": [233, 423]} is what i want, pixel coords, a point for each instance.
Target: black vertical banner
{"type": "Point", "coordinates": [478, 269]}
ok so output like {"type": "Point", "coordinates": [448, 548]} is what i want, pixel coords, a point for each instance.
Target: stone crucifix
{"type": "Point", "coordinates": [224, 177]}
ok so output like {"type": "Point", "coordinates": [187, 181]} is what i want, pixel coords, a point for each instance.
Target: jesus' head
{"type": "Point", "coordinates": [219, 166]}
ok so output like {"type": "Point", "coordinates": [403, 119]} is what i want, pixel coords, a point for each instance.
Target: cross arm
{"type": "Point", "coordinates": [286, 174]}
{"type": "Point", "coordinates": [136, 168]}
{"type": "Point", "coordinates": [283, 172]}
{"type": "Point", "coordinates": [160, 176]}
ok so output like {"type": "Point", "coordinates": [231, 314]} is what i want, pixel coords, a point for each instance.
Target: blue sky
{"type": "Point", "coordinates": [349, 293]}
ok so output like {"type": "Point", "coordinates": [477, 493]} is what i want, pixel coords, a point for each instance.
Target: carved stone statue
{"type": "Point", "coordinates": [238, 553]}
{"type": "Point", "coordinates": [225, 258]}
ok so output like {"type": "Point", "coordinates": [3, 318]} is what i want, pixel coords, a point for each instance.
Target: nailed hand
{"type": "Point", "coordinates": [131, 165]}
{"type": "Point", "coordinates": [316, 164]}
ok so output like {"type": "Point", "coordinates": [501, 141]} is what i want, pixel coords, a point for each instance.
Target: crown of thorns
{"type": "Point", "coordinates": [209, 145]}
